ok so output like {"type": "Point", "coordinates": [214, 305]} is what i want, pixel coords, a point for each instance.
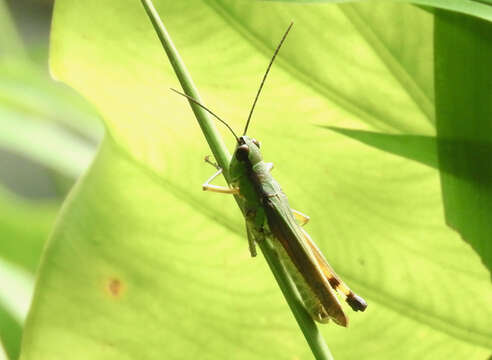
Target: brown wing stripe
{"type": "Point", "coordinates": [335, 284]}
{"type": "Point", "coordinates": [355, 301]}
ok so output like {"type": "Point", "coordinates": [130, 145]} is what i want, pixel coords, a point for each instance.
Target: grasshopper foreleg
{"type": "Point", "coordinates": [208, 161]}
{"type": "Point", "coordinates": [207, 186]}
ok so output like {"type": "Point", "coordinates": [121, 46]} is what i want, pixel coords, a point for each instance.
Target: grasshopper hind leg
{"type": "Point", "coordinates": [255, 220]}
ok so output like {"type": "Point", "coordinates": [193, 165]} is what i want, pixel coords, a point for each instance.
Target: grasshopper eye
{"type": "Point", "coordinates": [242, 153]}
{"type": "Point", "coordinates": [256, 142]}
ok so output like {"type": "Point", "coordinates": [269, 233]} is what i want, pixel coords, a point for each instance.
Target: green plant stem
{"type": "Point", "coordinates": [221, 154]}
{"type": "Point", "coordinates": [212, 136]}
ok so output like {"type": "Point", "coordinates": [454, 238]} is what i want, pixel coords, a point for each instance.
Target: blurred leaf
{"type": "Point", "coordinates": [43, 121]}
{"type": "Point", "coordinates": [464, 112]}
{"type": "Point", "coordinates": [45, 128]}
{"type": "Point", "coordinates": [24, 227]}
{"type": "Point", "coordinates": [15, 297]}
{"type": "Point", "coordinates": [27, 91]}
{"type": "Point", "coordinates": [10, 41]}
{"type": "Point", "coordinates": [45, 143]}
{"type": "Point", "coordinates": [3, 354]}
{"type": "Point", "coordinates": [10, 334]}
{"type": "Point", "coordinates": [140, 252]}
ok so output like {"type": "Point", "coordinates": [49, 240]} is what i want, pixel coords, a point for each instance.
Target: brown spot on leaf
{"type": "Point", "coordinates": [115, 287]}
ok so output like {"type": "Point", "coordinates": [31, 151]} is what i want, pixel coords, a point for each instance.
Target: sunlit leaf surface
{"type": "Point", "coordinates": [145, 265]}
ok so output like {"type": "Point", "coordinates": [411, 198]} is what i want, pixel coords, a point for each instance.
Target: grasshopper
{"type": "Point", "coordinates": [268, 214]}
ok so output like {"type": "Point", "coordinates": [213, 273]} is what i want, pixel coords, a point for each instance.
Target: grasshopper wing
{"type": "Point", "coordinates": [297, 255]}
{"type": "Point", "coordinates": [355, 301]}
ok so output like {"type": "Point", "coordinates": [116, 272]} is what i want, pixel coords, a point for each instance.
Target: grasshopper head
{"type": "Point", "coordinates": [248, 151]}
{"type": "Point", "coordinates": [247, 154]}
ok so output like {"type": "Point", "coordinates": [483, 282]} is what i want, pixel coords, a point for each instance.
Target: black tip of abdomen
{"type": "Point", "coordinates": [356, 302]}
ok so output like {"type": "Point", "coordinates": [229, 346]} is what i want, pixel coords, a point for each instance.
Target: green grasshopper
{"type": "Point", "coordinates": [268, 214]}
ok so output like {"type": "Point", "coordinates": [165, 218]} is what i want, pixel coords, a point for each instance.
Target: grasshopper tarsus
{"type": "Point", "coordinates": [252, 251]}
{"type": "Point", "coordinates": [214, 164]}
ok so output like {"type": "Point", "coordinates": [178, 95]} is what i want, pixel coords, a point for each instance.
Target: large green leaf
{"type": "Point", "coordinates": [479, 8]}
{"type": "Point", "coordinates": [464, 127]}
{"type": "Point", "coordinates": [145, 265]}
{"type": "Point", "coordinates": [463, 54]}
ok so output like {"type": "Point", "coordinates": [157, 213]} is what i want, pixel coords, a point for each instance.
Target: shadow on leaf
{"type": "Point", "coordinates": [463, 164]}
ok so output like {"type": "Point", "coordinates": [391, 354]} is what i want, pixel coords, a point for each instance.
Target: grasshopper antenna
{"type": "Point", "coordinates": [265, 76]}
{"type": "Point", "coordinates": [209, 111]}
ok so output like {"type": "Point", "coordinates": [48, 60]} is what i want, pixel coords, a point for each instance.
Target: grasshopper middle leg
{"type": "Point", "coordinates": [299, 216]}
